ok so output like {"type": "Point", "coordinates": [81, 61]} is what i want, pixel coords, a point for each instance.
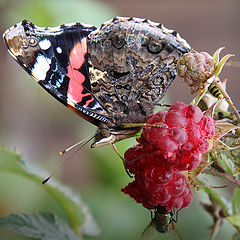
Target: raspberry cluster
{"type": "Point", "coordinates": [163, 152]}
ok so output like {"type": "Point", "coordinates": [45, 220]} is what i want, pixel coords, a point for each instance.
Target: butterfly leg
{"type": "Point", "coordinates": [118, 153]}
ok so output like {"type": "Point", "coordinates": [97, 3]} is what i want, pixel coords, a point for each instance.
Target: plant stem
{"type": "Point", "coordinates": [227, 97]}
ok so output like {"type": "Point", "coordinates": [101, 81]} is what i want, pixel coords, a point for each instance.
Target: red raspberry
{"type": "Point", "coordinates": [173, 203]}
{"type": "Point", "coordinates": [193, 114]}
{"type": "Point", "coordinates": [157, 117]}
{"type": "Point", "coordinates": [201, 145]}
{"type": "Point", "coordinates": [177, 185]}
{"type": "Point", "coordinates": [176, 119]}
{"type": "Point", "coordinates": [158, 198]}
{"type": "Point", "coordinates": [167, 146]}
{"type": "Point", "coordinates": [188, 146]}
{"type": "Point", "coordinates": [207, 127]}
{"type": "Point", "coordinates": [136, 157]}
{"type": "Point", "coordinates": [187, 161]}
{"type": "Point", "coordinates": [155, 176]}
{"type": "Point", "coordinates": [193, 133]}
{"type": "Point", "coordinates": [152, 134]}
{"type": "Point", "coordinates": [163, 152]}
{"type": "Point", "coordinates": [178, 135]}
{"type": "Point", "coordinates": [177, 106]}
{"type": "Point", "coordinates": [187, 198]}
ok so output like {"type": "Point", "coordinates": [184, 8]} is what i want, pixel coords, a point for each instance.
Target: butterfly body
{"type": "Point", "coordinates": [111, 76]}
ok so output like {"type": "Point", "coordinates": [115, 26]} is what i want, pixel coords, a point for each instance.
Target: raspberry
{"type": "Point", "coordinates": [153, 134]}
{"type": "Point", "coordinates": [159, 197]}
{"type": "Point", "coordinates": [163, 152]}
{"type": "Point", "coordinates": [136, 158]}
{"type": "Point", "coordinates": [167, 146]}
{"type": "Point", "coordinates": [193, 114]}
{"type": "Point", "coordinates": [207, 128]}
{"type": "Point", "coordinates": [133, 189]}
{"type": "Point", "coordinates": [177, 106]}
{"type": "Point", "coordinates": [196, 68]}
{"type": "Point", "coordinates": [187, 198]}
{"type": "Point", "coordinates": [178, 135]}
{"type": "Point", "coordinates": [176, 119]}
{"type": "Point", "coordinates": [194, 133]}
{"type": "Point", "coordinates": [188, 161]}
{"type": "Point", "coordinates": [177, 185]}
{"type": "Point", "coordinates": [201, 145]}
{"type": "Point", "coordinates": [173, 203]}
{"type": "Point", "coordinates": [157, 117]}
{"type": "Point", "coordinates": [157, 175]}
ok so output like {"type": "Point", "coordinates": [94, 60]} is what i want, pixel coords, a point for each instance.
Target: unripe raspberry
{"type": "Point", "coordinates": [196, 68]}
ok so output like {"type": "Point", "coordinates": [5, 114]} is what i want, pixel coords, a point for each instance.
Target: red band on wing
{"type": "Point", "coordinates": [75, 88]}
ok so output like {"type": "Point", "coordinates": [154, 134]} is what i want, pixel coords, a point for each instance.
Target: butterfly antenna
{"type": "Point", "coordinates": [71, 147]}
{"type": "Point", "coordinates": [70, 157]}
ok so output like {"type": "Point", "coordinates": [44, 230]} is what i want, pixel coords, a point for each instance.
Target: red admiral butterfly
{"type": "Point", "coordinates": [112, 76]}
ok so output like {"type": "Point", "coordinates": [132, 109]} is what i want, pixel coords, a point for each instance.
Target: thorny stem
{"type": "Point", "coordinates": [227, 98]}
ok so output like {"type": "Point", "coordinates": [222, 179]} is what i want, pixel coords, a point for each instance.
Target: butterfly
{"type": "Point", "coordinates": [112, 76]}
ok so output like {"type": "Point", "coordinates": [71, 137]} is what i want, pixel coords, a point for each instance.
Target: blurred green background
{"type": "Point", "coordinates": [36, 125]}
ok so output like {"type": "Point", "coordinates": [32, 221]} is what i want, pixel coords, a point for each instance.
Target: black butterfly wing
{"type": "Point", "coordinates": [57, 59]}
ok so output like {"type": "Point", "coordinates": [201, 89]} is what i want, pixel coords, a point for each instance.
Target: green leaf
{"type": "Point", "coordinates": [236, 236]}
{"type": "Point", "coordinates": [222, 129]}
{"type": "Point", "coordinates": [216, 55]}
{"type": "Point", "coordinates": [226, 164]}
{"type": "Point", "coordinates": [216, 197]}
{"type": "Point", "coordinates": [234, 220]}
{"type": "Point", "coordinates": [77, 212]}
{"type": "Point", "coordinates": [44, 226]}
{"type": "Point", "coordinates": [221, 64]}
{"type": "Point", "coordinates": [236, 202]}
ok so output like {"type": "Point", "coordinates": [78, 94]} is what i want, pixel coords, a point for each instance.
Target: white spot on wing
{"type": "Point", "coordinates": [59, 50]}
{"type": "Point", "coordinates": [183, 41]}
{"type": "Point", "coordinates": [40, 68]}
{"type": "Point", "coordinates": [86, 25]}
{"type": "Point", "coordinates": [45, 44]}
{"type": "Point", "coordinates": [167, 30]}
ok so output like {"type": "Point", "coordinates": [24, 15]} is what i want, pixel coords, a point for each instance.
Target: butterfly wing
{"type": "Point", "coordinates": [133, 62]}
{"type": "Point", "coordinates": [57, 59]}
